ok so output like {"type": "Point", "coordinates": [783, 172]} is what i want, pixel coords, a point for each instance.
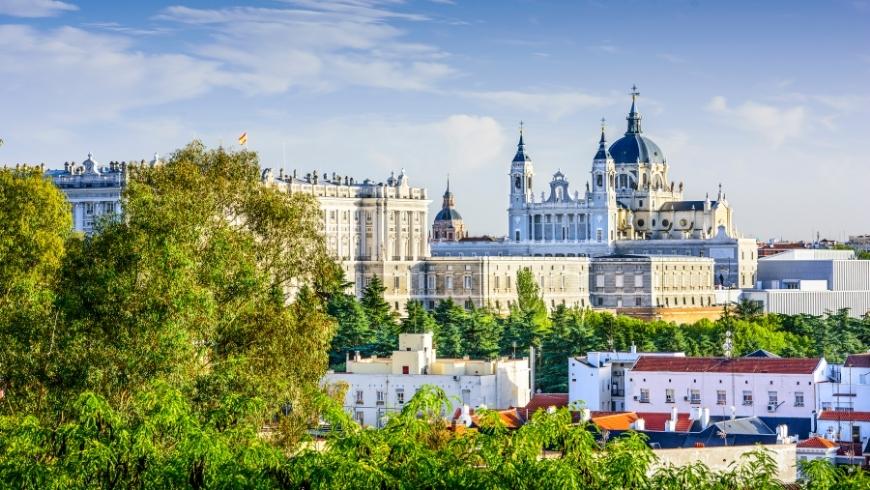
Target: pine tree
{"type": "Point", "coordinates": [382, 318]}
{"type": "Point", "coordinates": [417, 319]}
{"type": "Point", "coordinates": [450, 319]}
{"type": "Point", "coordinates": [354, 331]}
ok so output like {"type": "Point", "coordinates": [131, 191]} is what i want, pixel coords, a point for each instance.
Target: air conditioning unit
{"type": "Point", "coordinates": [771, 407]}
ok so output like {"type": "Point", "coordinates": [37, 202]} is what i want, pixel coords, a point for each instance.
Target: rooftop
{"type": "Point", "coordinates": [844, 416]}
{"type": "Point", "coordinates": [816, 443]}
{"type": "Point", "coordinates": [726, 365]}
{"type": "Point", "coordinates": [858, 360]}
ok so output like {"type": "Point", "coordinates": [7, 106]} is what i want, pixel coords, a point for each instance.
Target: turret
{"type": "Point", "coordinates": [521, 190]}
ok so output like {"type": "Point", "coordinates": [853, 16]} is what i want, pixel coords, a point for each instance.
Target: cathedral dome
{"type": "Point", "coordinates": [447, 214]}
{"type": "Point", "coordinates": [634, 148]}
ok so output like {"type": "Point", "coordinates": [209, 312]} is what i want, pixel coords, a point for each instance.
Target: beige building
{"type": "Point", "coordinates": [448, 225]}
{"type": "Point", "coordinates": [379, 386]}
{"type": "Point", "coordinates": [372, 228]}
{"type": "Point", "coordinates": [645, 281]}
{"type": "Point", "coordinates": [491, 281]}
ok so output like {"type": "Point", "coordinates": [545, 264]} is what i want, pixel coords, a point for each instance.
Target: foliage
{"type": "Point", "coordinates": [210, 284]}
{"type": "Point", "coordinates": [417, 319]}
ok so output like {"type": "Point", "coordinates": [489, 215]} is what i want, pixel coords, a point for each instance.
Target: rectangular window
{"type": "Point", "coordinates": [467, 282]}
{"type": "Point", "coordinates": [638, 301]}
{"type": "Point", "coordinates": [695, 397]}
{"type": "Point", "coordinates": [406, 369]}
{"type": "Point", "coordinates": [747, 398]}
{"type": "Point", "coordinates": [89, 208]}
{"type": "Point", "coordinates": [638, 281]}
{"type": "Point", "coordinates": [400, 396]}
{"type": "Point", "coordinates": [599, 235]}
{"type": "Point", "coordinates": [396, 282]}
{"type": "Point", "coordinates": [644, 395]}
{"type": "Point", "coordinates": [379, 398]}
{"type": "Point", "coordinates": [720, 397]}
{"type": "Point", "coordinates": [359, 397]}
{"type": "Point", "coordinates": [496, 282]}
{"type": "Point", "coordinates": [798, 398]}
{"type": "Point", "coordinates": [599, 281]}
{"type": "Point", "coordinates": [360, 417]}
{"type": "Point", "coordinates": [448, 282]}
{"type": "Point", "coordinates": [466, 397]}
{"type": "Point", "coordinates": [669, 395]}
{"type": "Point", "coordinates": [431, 281]}
{"type": "Point", "coordinates": [772, 398]}
{"type": "Point", "coordinates": [508, 282]}
{"type": "Point", "coordinates": [619, 283]}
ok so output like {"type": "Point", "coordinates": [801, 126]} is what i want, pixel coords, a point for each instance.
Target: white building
{"type": "Point", "coordinates": [379, 386]}
{"type": "Point", "coordinates": [778, 390]}
{"type": "Point", "coordinates": [811, 281]}
{"type": "Point", "coordinates": [93, 190]}
{"type": "Point", "coordinates": [845, 402]}
{"type": "Point", "coordinates": [598, 379]}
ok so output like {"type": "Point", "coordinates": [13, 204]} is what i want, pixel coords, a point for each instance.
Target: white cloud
{"type": "Point", "coordinates": [314, 45]}
{"type": "Point", "coordinates": [69, 75]}
{"type": "Point", "coordinates": [554, 104]}
{"type": "Point", "coordinates": [774, 124]}
{"type": "Point", "coordinates": [35, 8]}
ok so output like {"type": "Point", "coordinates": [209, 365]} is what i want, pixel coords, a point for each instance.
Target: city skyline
{"type": "Point", "coordinates": [773, 112]}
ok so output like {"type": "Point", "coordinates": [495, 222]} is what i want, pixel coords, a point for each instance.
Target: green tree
{"type": "Point", "coordinates": [748, 309]}
{"type": "Point", "coordinates": [450, 318]}
{"type": "Point", "coordinates": [381, 316]}
{"type": "Point", "coordinates": [481, 334]}
{"type": "Point", "coordinates": [354, 332]}
{"type": "Point", "coordinates": [417, 319]}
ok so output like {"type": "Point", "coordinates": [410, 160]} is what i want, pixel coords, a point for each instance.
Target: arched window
{"type": "Point", "coordinates": [599, 180]}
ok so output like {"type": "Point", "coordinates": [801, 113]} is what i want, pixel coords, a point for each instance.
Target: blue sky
{"type": "Point", "coordinates": [768, 98]}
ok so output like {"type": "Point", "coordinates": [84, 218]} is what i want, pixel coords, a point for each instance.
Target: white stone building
{"type": "Point", "coordinates": [845, 402]}
{"type": "Point", "coordinates": [597, 380]}
{"type": "Point", "coordinates": [778, 390]}
{"type": "Point", "coordinates": [379, 386]}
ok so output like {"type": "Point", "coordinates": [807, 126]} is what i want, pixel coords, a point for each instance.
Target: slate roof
{"type": "Point", "coordinates": [725, 365]}
{"type": "Point", "coordinates": [633, 148]}
{"type": "Point", "coordinates": [448, 214]}
{"type": "Point", "coordinates": [686, 205]}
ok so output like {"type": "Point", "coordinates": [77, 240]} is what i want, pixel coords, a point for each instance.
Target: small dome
{"type": "Point", "coordinates": [633, 148]}
{"type": "Point", "coordinates": [448, 214]}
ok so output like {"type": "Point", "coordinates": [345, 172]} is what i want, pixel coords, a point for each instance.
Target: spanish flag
{"type": "Point", "coordinates": [243, 139]}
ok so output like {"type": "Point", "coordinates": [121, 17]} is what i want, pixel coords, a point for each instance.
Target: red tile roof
{"type": "Point", "coordinates": [652, 421]}
{"type": "Point", "coordinates": [817, 443]}
{"type": "Point", "coordinates": [546, 400]}
{"type": "Point", "coordinates": [656, 421]}
{"type": "Point", "coordinates": [840, 415]}
{"type": "Point", "coordinates": [849, 447]}
{"type": "Point", "coordinates": [510, 417]}
{"type": "Point", "coordinates": [858, 360]}
{"type": "Point", "coordinates": [725, 365]}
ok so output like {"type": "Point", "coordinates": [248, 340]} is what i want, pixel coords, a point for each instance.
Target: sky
{"type": "Point", "coordinates": [770, 99]}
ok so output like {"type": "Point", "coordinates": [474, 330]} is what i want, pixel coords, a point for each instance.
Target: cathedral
{"type": "Point", "coordinates": [629, 196]}
{"type": "Point", "coordinates": [629, 205]}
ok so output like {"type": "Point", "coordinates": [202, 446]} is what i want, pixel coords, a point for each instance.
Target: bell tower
{"type": "Point", "coordinates": [601, 197]}
{"type": "Point", "coordinates": [521, 191]}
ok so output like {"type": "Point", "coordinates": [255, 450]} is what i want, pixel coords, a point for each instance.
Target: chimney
{"type": "Point", "coordinates": [674, 414]}
{"type": "Point", "coordinates": [670, 425]}
{"type": "Point", "coordinates": [695, 413]}
{"type": "Point", "coordinates": [465, 418]}
{"type": "Point", "coordinates": [640, 424]}
{"type": "Point", "coordinates": [733, 412]}
{"type": "Point", "coordinates": [705, 418]}
{"type": "Point", "coordinates": [633, 348]}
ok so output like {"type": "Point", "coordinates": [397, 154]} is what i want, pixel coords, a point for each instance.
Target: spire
{"type": "Point", "coordinates": [633, 116]}
{"type": "Point", "coordinates": [603, 153]}
{"type": "Point", "coordinates": [447, 192]}
{"type": "Point", "coordinates": [521, 148]}
{"type": "Point", "coordinates": [448, 202]}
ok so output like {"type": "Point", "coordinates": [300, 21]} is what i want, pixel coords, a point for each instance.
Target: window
{"type": "Point", "coordinates": [638, 301]}
{"type": "Point", "coordinates": [669, 395]}
{"type": "Point", "coordinates": [619, 282]}
{"type": "Point", "coordinates": [644, 395]}
{"type": "Point", "coordinates": [826, 405]}
{"type": "Point", "coordinates": [406, 369]}
{"type": "Point", "coordinates": [379, 400]}
{"type": "Point", "coordinates": [496, 282]}
{"type": "Point", "coordinates": [396, 282]}
{"type": "Point", "coordinates": [720, 397]}
{"type": "Point", "coordinates": [747, 398]}
{"type": "Point", "coordinates": [359, 397]}
{"type": "Point", "coordinates": [507, 282]}
{"type": "Point", "coordinates": [798, 398]}
{"type": "Point", "coordinates": [695, 397]}
{"type": "Point", "coordinates": [360, 417]}
{"type": "Point", "coordinates": [400, 394]}
{"type": "Point", "coordinates": [448, 282]}
{"type": "Point", "coordinates": [772, 400]}
{"type": "Point", "coordinates": [599, 235]}
{"type": "Point", "coordinates": [600, 301]}
{"type": "Point", "coordinates": [466, 397]}
{"type": "Point", "coordinates": [89, 208]}
{"type": "Point", "coordinates": [421, 283]}
{"type": "Point", "coordinates": [599, 281]}
{"type": "Point", "coordinates": [431, 281]}
{"type": "Point", "coordinates": [638, 281]}
{"type": "Point", "coordinates": [467, 282]}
